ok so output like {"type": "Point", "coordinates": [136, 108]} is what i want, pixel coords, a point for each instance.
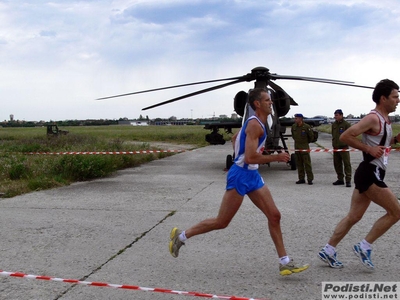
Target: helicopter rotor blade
{"type": "Point", "coordinates": [320, 80]}
{"type": "Point", "coordinates": [316, 79]}
{"type": "Point", "coordinates": [169, 87]}
{"type": "Point", "coordinates": [345, 84]}
{"type": "Point", "coordinates": [353, 85]}
{"type": "Point", "coordinates": [241, 79]}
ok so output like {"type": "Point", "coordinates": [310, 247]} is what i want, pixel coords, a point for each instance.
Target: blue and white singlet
{"type": "Point", "coordinates": [240, 145]}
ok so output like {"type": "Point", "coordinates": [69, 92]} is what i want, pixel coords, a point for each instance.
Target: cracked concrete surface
{"type": "Point", "coordinates": [116, 230]}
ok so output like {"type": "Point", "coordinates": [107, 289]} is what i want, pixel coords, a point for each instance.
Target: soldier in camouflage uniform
{"type": "Point", "coordinates": [302, 135]}
{"type": "Point", "coordinates": [341, 158]}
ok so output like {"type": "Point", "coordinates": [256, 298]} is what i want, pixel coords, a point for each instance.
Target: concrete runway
{"type": "Point", "coordinates": [116, 230]}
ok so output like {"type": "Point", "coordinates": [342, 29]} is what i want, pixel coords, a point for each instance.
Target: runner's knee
{"type": "Point", "coordinates": [395, 216]}
{"type": "Point", "coordinates": [274, 218]}
{"type": "Point", "coordinates": [221, 224]}
{"type": "Point", "coordinates": [354, 218]}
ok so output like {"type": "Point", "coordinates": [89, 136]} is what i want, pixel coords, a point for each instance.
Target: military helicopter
{"type": "Point", "coordinates": [276, 125]}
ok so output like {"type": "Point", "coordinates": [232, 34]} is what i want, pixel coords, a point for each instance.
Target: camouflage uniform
{"type": "Point", "coordinates": [302, 135]}
{"type": "Point", "coordinates": [341, 158]}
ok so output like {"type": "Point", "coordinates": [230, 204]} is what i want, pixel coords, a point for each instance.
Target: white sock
{"type": "Point", "coordinates": [182, 236]}
{"type": "Point", "coordinates": [365, 245]}
{"type": "Point", "coordinates": [284, 260]}
{"type": "Point", "coordinates": [330, 249]}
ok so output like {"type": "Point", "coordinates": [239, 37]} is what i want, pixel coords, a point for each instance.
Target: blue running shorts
{"type": "Point", "coordinates": [243, 180]}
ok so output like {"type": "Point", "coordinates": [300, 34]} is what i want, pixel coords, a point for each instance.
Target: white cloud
{"type": "Point", "coordinates": [57, 57]}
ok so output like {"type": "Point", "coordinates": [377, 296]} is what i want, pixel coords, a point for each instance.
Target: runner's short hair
{"type": "Point", "coordinates": [255, 95]}
{"type": "Point", "coordinates": [383, 88]}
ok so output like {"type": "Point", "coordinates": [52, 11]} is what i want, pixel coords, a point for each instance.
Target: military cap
{"type": "Point", "coordinates": [339, 111]}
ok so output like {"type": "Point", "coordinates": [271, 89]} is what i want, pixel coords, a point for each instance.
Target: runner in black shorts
{"type": "Point", "coordinates": [368, 174]}
{"type": "Point", "coordinates": [376, 132]}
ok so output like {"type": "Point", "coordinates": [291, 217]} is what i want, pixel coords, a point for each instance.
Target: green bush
{"type": "Point", "coordinates": [21, 172]}
{"type": "Point", "coordinates": [84, 167]}
{"type": "Point", "coordinates": [17, 171]}
{"type": "Point", "coordinates": [42, 183]}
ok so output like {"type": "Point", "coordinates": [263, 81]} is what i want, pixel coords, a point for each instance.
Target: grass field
{"type": "Point", "coordinates": [21, 172]}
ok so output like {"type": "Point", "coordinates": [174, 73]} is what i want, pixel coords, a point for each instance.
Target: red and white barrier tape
{"type": "Point", "coordinates": [170, 151]}
{"type": "Point", "coordinates": [119, 286]}
{"type": "Point", "coordinates": [105, 152]}
{"type": "Point", "coordinates": [180, 151]}
{"type": "Point", "coordinates": [327, 150]}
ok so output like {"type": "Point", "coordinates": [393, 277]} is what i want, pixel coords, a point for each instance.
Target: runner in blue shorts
{"type": "Point", "coordinates": [244, 179]}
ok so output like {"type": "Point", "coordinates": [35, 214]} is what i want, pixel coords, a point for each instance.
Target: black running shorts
{"type": "Point", "coordinates": [367, 174]}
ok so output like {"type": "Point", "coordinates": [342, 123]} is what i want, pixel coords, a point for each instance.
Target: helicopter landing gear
{"type": "Point", "coordinates": [292, 162]}
{"type": "Point", "coordinates": [229, 161]}
{"type": "Point", "coordinates": [215, 138]}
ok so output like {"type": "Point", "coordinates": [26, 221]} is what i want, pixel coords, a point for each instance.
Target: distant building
{"type": "Point", "coordinates": [323, 118]}
{"type": "Point", "coordinates": [134, 122]}
{"type": "Point", "coordinates": [352, 121]}
{"type": "Point", "coordinates": [139, 123]}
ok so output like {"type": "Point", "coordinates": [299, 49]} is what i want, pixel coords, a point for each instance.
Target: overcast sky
{"type": "Point", "coordinates": [57, 57]}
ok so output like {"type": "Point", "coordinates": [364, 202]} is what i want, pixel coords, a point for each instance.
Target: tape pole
{"type": "Point", "coordinates": [122, 286]}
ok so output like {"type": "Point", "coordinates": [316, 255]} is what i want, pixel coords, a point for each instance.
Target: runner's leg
{"type": "Point", "coordinates": [262, 198]}
{"type": "Point", "coordinates": [231, 202]}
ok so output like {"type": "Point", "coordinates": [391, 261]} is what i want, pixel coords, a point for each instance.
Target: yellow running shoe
{"type": "Point", "coordinates": [291, 268]}
{"type": "Point", "coordinates": [175, 242]}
